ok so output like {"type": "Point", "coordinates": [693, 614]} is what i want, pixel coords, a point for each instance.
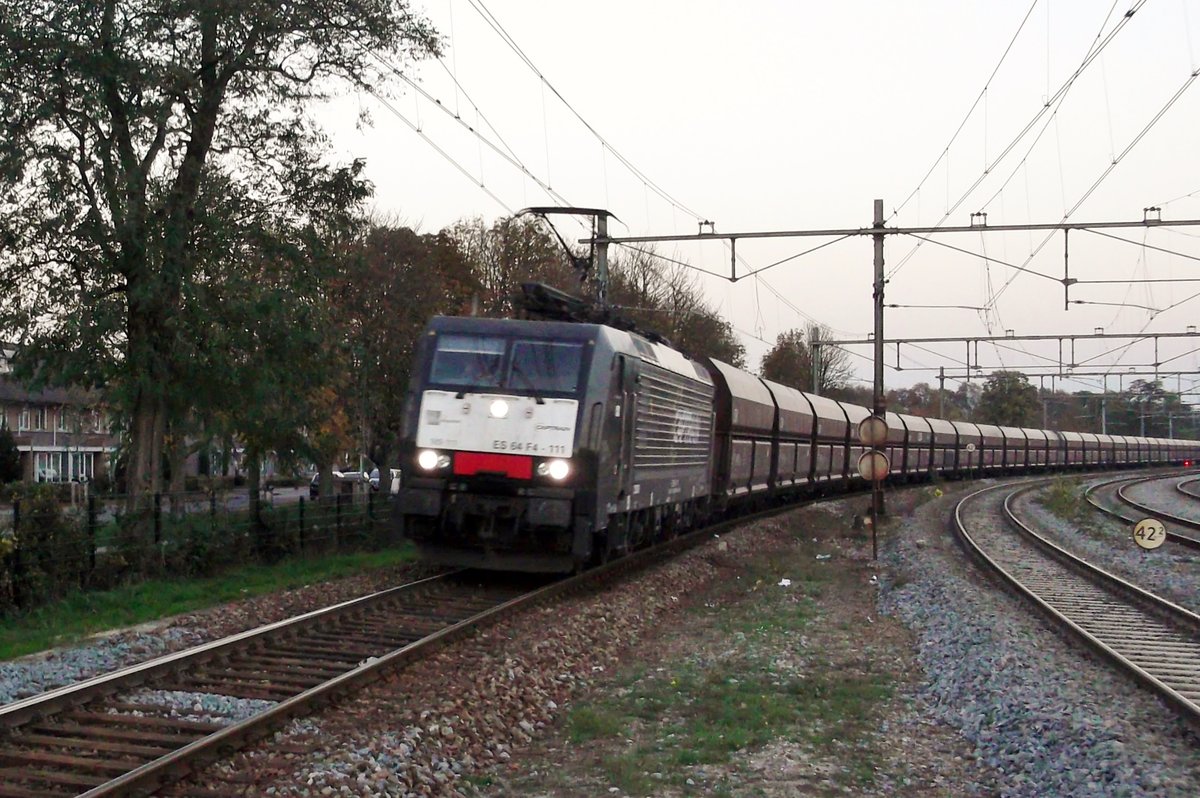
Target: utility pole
{"type": "Point", "coordinates": [814, 350]}
{"type": "Point", "coordinates": [602, 260]}
{"type": "Point", "coordinates": [941, 391]}
{"type": "Point", "coordinates": [880, 404]}
{"type": "Point", "coordinates": [879, 231]}
{"type": "Point", "coordinates": [879, 400]}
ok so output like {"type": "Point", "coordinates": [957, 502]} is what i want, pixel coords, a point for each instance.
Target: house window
{"type": "Point", "coordinates": [48, 466]}
{"type": "Point", "coordinates": [23, 420]}
{"type": "Point", "coordinates": [3, 417]}
{"type": "Point", "coordinates": [63, 419]}
{"type": "Point", "coordinates": [81, 465]}
{"type": "Point", "coordinates": [39, 418]}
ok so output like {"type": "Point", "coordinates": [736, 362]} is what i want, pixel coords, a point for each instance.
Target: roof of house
{"type": "Point", "coordinates": [13, 391]}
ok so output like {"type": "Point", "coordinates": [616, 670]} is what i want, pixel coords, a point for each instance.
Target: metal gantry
{"type": "Point", "coordinates": [1151, 217]}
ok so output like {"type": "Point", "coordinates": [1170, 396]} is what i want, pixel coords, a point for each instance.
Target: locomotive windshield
{"type": "Point", "coordinates": [524, 366]}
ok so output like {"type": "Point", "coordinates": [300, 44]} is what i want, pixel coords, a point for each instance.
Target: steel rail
{"type": "Point", "coordinates": [1158, 512]}
{"type": "Point", "coordinates": [183, 760]}
{"type": "Point", "coordinates": [1175, 537]}
{"type": "Point", "coordinates": [172, 765]}
{"type": "Point", "coordinates": [1152, 639]}
{"type": "Point", "coordinates": [1191, 493]}
{"type": "Point", "coordinates": [21, 712]}
{"type": "Point", "coordinates": [150, 774]}
{"type": "Point", "coordinates": [188, 757]}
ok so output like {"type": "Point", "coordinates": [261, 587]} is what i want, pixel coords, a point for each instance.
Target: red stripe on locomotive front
{"type": "Point", "coordinates": [510, 465]}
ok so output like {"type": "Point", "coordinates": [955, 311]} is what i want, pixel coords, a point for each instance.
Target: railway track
{"type": "Point", "coordinates": [1189, 487]}
{"type": "Point", "coordinates": [104, 737]}
{"type": "Point", "coordinates": [98, 738]}
{"type": "Point", "coordinates": [1154, 640]}
{"type": "Point", "coordinates": [115, 735]}
{"type": "Point", "coordinates": [1112, 498]}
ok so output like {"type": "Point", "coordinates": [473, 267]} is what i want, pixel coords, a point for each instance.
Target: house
{"type": "Point", "coordinates": [62, 434]}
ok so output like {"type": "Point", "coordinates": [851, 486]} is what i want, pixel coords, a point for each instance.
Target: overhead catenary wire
{"type": "Point", "coordinates": [1054, 100]}
{"type": "Point", "coordinates": [1189, 195]}
{"type": "Point", "coordinates": [466, 172]}
{"type": "Point", "coordinates": [754, 272]}
{"type": "Point", "coordinates": [802, 314]}
{"type": "Point", "coordinates": [975, 308]}
{"type": "Point", "coordinates": [1149, 126]}
{"type": "Point", "coordinates": [1144, 245]}
{"type": "Point", "coordinates": [494, 23]}
{"type": "Point", "coordinates": [1025, 269]}
{"type": "Point", "coordinates": [507, 153]}
{"type": "Point", "coordinates": [1108, 170]}
{"type": "Point", "coordinates": [790, 258]}
{"type": "Point", "coordinates": [649, 184]}
{"type": "Point", "coordinates": [651, 253]}
{"type": "Point", "coordinates": [970, 112]}
{"type": "Point", "coordinates": [491, 20]}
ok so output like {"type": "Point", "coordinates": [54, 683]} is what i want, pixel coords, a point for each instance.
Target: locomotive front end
{"type": "Point", "coordinates": [494, 473]}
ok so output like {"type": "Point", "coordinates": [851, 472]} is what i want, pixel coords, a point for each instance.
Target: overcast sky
{"type": "Point", "coordinates": [796, 116]}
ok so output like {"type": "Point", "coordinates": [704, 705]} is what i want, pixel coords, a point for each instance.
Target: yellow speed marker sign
{"type": "Point", "coordinates": [1149, 533]}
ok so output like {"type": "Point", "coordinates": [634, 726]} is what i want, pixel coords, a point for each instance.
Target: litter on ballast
{"type": "Point", "coordinates": [824, 556]}
{"type": "Point", "coordinates": [785, 582]}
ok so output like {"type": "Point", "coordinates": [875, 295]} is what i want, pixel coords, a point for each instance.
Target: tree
{"type": "Point", "coordinates": [1150, 404]}
{"type": "Point", "coordinates": [509, 252]}
{"type": "Point", "coordinates": [119, 118]}
{"type": "Point", "coordinates": [1008, 399]}
{"type": "Point", "coordinates": [394, 282]}
{"type": "Point", "coordinates": [10, 458]}
{"type": "Point", "coordinates": [791, 361]}
{"type": "Point", "coordinates": [667, 299]}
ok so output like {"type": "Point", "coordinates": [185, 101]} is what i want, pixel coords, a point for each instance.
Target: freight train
{"type": "Point", "coordinates": [542, 445]}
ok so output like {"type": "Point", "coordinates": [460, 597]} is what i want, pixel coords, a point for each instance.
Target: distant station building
{"type": "Point", "coordinates": [62, 434]}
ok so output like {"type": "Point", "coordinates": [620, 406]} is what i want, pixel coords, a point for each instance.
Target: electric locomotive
{"type": "Point", "coordinates": [550, 445]}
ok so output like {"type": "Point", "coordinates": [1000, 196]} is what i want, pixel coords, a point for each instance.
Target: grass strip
{"type": "Point", "coordinates": [664, 723]}
{"type": "Point", "coordinates": [81, 615]}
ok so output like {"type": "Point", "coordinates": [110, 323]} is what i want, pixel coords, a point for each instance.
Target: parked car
{"type": "Point", "coordinates": [343, 482]}
{"type": "Point", "coordinates": [395, 479]}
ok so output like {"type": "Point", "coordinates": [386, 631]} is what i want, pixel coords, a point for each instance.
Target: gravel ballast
{"type": "Point", "coordinates": [105, 653]}
{"type": "Point", "coordinates": [1032, 715]}
{"type": "Point", "coordinates": [1051, 718]}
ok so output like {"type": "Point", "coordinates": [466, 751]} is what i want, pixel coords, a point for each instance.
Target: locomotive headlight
{"type": "Point", "coordinates": [429, 460]}
{"type": "Point", "coordinates": [499, 409]}
{"type": "Point", "coordinates": [555, 469]}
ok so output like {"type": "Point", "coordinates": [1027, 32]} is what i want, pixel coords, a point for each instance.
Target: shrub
{"type": "Point", "coordinates": [1064, 499]}
{"type": "Point", "coordinates": [48, 552]}
{"type": "Point", "coordinates": [10, 458]}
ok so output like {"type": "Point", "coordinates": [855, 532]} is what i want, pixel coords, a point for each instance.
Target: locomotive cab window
{"type": "Point", "coordinates": [473, 360]}
{"type": "Point", "coordinates": [545, 366]}
{"type": "Point", "coordinates": [522, 366]}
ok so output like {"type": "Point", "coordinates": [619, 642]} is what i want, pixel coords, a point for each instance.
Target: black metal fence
{"type": "Point", "coordinates": [49, 548]}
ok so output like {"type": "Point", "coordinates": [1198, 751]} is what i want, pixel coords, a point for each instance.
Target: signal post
{"type": "Point", "coordinates": [880, 404]}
